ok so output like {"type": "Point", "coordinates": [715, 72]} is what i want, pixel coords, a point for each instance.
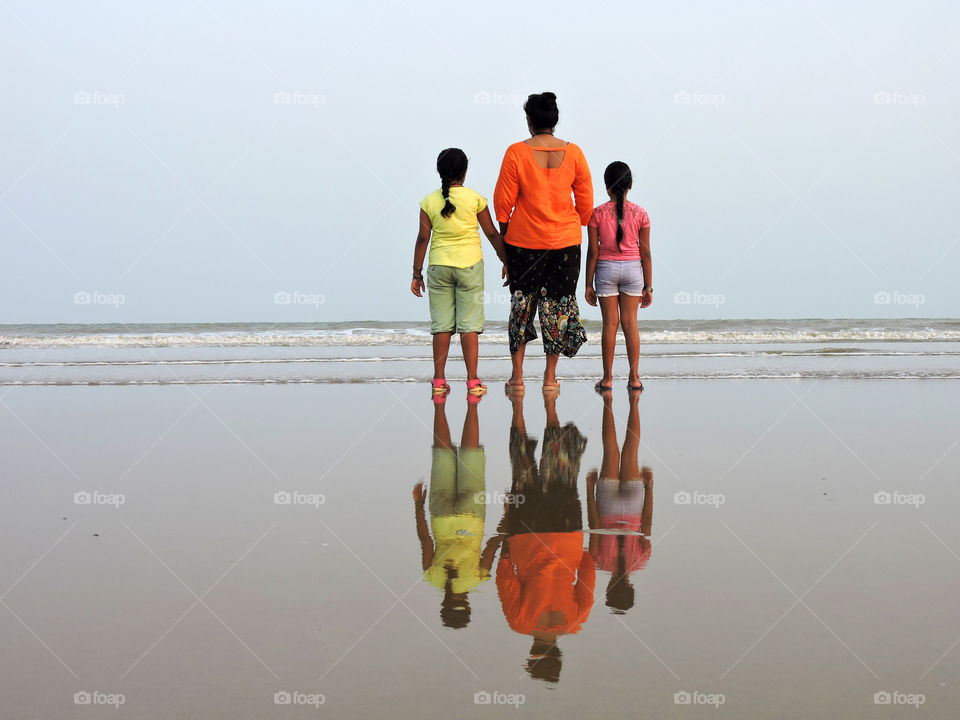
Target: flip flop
{"type": "Point", "coordinates": [637, 388]}
{"type": "Point", "coordinates": [552, 388]}
{"type": "Point", "coordinates": [599, 387]}
{"type": "Point", "coordinates": [511, 387]}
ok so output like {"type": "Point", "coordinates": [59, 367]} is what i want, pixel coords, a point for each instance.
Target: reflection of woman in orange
{"type": "Point", "coordinates": [620, 507]}
{"type": "Point", "coordinates": [544, 576]}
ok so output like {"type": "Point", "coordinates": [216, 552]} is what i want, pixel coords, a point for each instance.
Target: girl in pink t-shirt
{"type": "Point", "coordinates": [619, 271]}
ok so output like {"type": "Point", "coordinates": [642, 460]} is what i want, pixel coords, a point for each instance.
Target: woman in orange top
{"type": "Point", "coordinates": [541, 226]}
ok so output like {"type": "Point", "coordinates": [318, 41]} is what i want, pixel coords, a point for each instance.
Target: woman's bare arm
{"type": "Point", "coordinates": [496, 239]}
{"type": "Point", "coordinates": [593, 250]}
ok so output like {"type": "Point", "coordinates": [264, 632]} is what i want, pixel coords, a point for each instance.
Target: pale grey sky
{"type": "Point", "coordinates": [187, 161]}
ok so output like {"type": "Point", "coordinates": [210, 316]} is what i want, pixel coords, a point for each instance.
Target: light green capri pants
{"type": "Point", "coordinates": [456, 298]}
{"type": "Point", "coordinates": [458, 482]}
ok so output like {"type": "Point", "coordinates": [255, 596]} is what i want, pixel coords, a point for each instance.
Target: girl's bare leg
{"type": "Point", "coordinates": [629, 468]}
{"type": "Point", "coordinates": [470, 344]}
{"type": "Point", "coordinates": [470, 437]}
{"type": "Point", "coordinates": [610, 465]}
{"type": "Point", "coordinates": [441, 348]}
{"type": "Point", "coordinates": [441, 430]}
{"type": "Point", "coordinates": [629, 305]}
{"type": "Point", "coordinates": [610, 310]}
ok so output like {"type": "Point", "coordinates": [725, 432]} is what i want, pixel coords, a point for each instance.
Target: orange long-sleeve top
{"type": "Point", "coordinates": [537, 201]}
{"type": "Point", "coordinates": [546, 571]}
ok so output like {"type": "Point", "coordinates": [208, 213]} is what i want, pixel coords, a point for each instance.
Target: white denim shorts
{"type": "Point", "coordinates": [613, 277]}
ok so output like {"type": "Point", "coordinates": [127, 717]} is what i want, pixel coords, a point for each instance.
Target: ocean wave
{"type": "Point", "coordinates": [648, 354]}
{"type": "Point", "coordinates": [417, 338]}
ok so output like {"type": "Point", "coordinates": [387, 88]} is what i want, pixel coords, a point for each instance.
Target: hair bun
{"type": "Point", "coordinates": [542, 109]}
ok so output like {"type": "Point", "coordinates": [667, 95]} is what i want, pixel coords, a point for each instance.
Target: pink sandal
{"type": "Point", "coordinates": [439, 387]}
{"type": "Point", "coordinates": [476, 388]}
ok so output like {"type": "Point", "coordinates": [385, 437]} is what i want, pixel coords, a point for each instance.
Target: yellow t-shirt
{"type": "Point", "coordinates": [459, 541]}
{"type": "Point", "coordinates": [456, 240]}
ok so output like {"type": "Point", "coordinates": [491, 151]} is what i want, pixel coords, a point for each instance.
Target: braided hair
{"type": "Point", "coordinates": [451, 166]}
{"type": "Point", "coordinates": [618, 179]}
{"type": "Point", "coordinates": [620, 593]}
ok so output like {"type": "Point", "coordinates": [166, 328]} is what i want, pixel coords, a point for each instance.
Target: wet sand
{"type": "Point", "coordinates": [777, 581]}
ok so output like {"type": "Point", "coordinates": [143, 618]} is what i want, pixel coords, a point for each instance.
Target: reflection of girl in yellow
{"type": "Point", "coordinates": [453, 558]}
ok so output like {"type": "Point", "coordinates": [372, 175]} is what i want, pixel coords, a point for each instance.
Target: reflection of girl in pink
{"type": "Point", "coordinates": [620, 508]}
{"type": "Point", "coordinates": [545, 578]}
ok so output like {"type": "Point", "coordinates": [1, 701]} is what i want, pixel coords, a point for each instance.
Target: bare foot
{"type": "Point", "coordinates": [605, 384]}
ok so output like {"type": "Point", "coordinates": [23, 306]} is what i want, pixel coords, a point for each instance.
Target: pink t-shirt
{"type": "Point", "coordinates": [604, 218]}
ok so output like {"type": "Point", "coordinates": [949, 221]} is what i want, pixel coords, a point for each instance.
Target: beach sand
{"type": "Point", "coordinates": [785, 585]}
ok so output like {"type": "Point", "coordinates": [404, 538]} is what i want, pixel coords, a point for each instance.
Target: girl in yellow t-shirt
{"type": "Point", "coordinates": [449, 218]}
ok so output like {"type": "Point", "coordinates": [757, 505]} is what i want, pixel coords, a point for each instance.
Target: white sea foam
{"type": "Point", "coordinates": [406, 338]}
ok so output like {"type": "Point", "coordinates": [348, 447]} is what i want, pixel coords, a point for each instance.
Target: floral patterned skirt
{"type": "Point", "coordinates": [551, 501]}
{"type": "Point", "coordinates": [544, 282]}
